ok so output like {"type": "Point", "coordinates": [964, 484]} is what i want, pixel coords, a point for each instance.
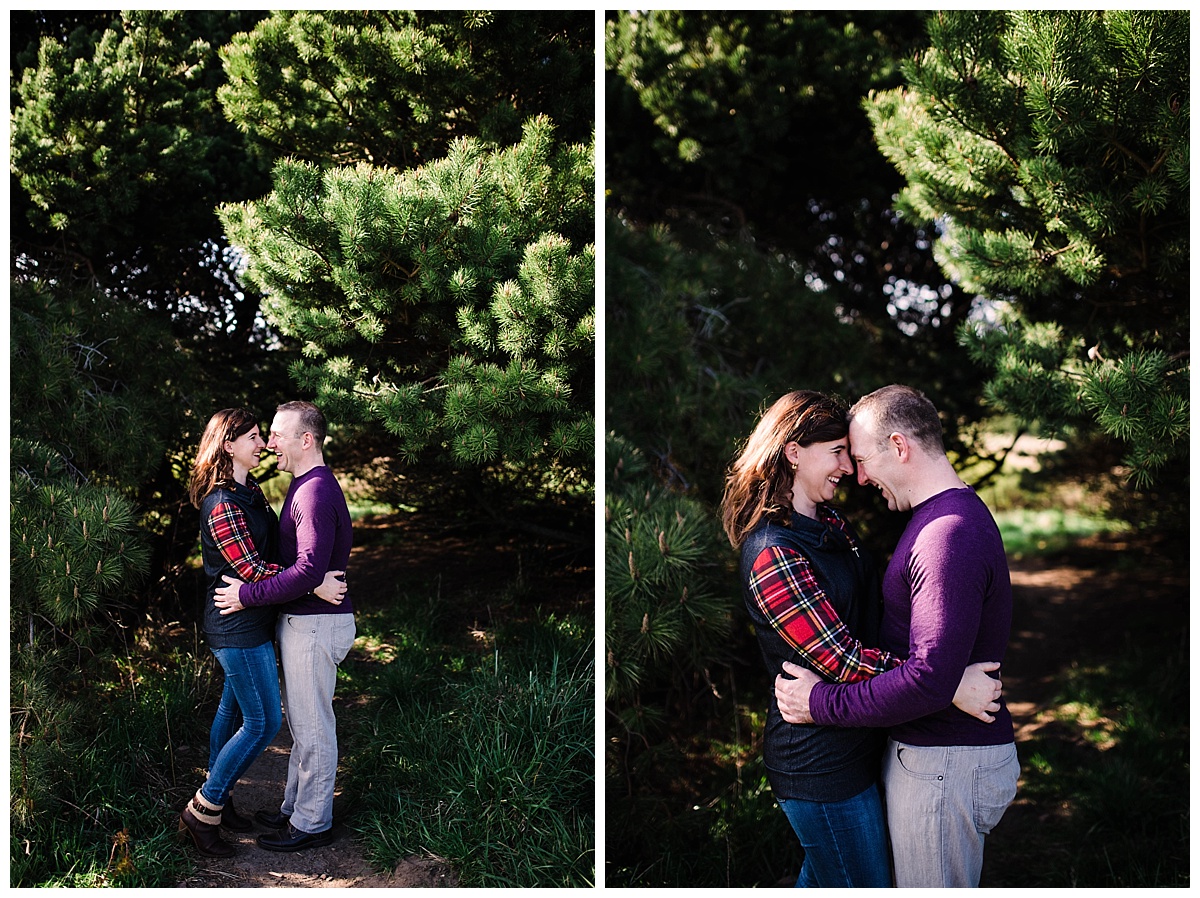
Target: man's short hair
{"type": "Point", "coordinates": [900, 409]}
{"type": "Point", "coordinates": [311, 419]}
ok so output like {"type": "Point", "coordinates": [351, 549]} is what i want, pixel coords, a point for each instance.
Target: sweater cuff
{"type": "Point", "coordinates": [818, 706]}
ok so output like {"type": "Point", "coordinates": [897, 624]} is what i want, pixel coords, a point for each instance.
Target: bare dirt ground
{"type": "Point", "coordinates": [1072, 605]}
{"type": "Point", "coordinates": [338, 865]}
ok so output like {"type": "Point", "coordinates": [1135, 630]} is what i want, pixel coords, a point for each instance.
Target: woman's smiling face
{"type": "Point", "coordinates": [246, 449]}
{"type": "Point", "coordinates": [819, 469]}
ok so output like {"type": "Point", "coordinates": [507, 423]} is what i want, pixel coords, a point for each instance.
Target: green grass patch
{"type": "Point", "coordinates": [361, 508]}
{"type": "Point", "coordinates": [689, 822]}
{"type": "Point", "coordinates": [93, 779]}
{"type": "Point", "coordinates": [1045, 531]}
{"type": "Point", "coordinates": [476, 745]}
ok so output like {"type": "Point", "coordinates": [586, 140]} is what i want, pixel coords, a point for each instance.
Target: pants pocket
{"type": "Point", "coordinates": [993, 789]}
{"type": "Point", "coordinates": [922, 762]}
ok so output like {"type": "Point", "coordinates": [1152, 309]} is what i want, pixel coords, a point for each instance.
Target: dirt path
{"type": "Point", "coordinates": [375, 571]}
{"type": "Point", "coordinates": [1068, 610]}
{"type": "Point", "coordinates": [1077, 606]}
{"type": "Point", "coordinates": [338, 865]}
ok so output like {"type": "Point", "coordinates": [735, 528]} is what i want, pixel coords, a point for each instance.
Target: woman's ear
{"type": "Point", "coordinates": [791, 451]}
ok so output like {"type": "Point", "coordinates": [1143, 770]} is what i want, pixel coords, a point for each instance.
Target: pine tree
{"type": "Point", "coordinates": [121, 153]}
{"type": "Point", "coordinates": [72, 544]}
{"type": "Point", "coordinates": [394, 88]}
{"type": "Point", "coordinates": [95, 381]}
{"type": "Point", "coordinates": [1051, 149]}
{"type": "Point", "coordinates": [668, 615]}
{"type": "Point", "coordinates": [429, 237]}
{"type": "Point", "coordinates": [447, 303]}
{"type": "Point", "coordinates": [96, 394]}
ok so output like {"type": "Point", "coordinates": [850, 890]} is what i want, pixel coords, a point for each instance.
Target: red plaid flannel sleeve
{"type": "Point", "coordinates": [227, 524]}
{"type": "Point", "coordinates": [786, 591]}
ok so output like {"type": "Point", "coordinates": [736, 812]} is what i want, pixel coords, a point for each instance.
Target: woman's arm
{"type": "Point", "coordinates": [787, 593]}
{"type": "Point", "coordinates": [227, 524]}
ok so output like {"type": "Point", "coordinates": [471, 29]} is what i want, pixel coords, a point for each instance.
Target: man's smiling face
{"type": "Point", "coordinates": [877, 461]}
{"type": "Point", "coordinates": [286, 439]}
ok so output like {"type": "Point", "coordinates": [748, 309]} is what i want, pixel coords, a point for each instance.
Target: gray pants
{"type": "Point", "coordinates": [311, 646]}
{"type": "Point", "coordinates": [941, 803]}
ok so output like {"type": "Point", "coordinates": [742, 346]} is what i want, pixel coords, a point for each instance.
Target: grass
{"type": "Point", "coordinates": [93, 768]}
{"type": "Point", "coordinates": [698, 814]}
{"type": "Point", "coordinates": [1047, 531]}
{"type": "Point", "coordinates": [476, 745]}
{"type": "Point", "coordinates": [1039, 516]}
{"type": "Point", "coordinates": [473, 744]}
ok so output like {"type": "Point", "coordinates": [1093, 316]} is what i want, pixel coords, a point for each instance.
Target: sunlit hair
{"type": "Point", "coordinates": [213, 465]}
{"type": "Point", "coordinates": [311, 419]}
{"type": "Point", "coordinates": [759, 483]}
{"type": "Point", "coordinates": [901, 409]}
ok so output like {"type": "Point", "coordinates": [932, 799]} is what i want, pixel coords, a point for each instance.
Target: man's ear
{"type": "Point", "coordinates": [898, 443]}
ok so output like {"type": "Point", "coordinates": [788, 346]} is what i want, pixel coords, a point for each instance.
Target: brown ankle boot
{"type": "Point", "coordinates": [207, 836]}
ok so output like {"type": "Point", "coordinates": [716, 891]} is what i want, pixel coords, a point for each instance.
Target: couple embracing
{"type": "Point", "coordinates": [869, 693]}
{"type": "Point", "coordinates": [271, 581]}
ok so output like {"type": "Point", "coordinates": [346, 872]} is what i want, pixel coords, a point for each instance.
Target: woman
{"type": "Point", "coordinates": [238, 536]}
{"type": "Point", "coordinates": [813, 595]}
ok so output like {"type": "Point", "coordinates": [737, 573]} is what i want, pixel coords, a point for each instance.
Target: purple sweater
{"type": "Point", "coordinates": [947, 603]}
{"type": "Point", "coordinates": [314, 537]}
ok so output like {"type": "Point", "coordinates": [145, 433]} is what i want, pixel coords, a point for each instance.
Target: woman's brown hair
{"type": "Point", "coordinates": [213, 465]}
{"type": "Point", "coordinates": [759, 483]}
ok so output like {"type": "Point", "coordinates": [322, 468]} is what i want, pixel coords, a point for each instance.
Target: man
{"type": "Point", "coordinates": [948, 777]}
{"type": "Point", "coordinates": [313, 636]}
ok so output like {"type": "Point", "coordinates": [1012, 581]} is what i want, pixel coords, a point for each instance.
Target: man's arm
{"type": "Point", "coordinates": [978, 693]}
{"type": "Point", "coordinates": [316, 524]}
{"type": "Point", "coordinates": [947, 590]}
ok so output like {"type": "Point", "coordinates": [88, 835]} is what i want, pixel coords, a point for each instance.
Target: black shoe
{"type": "Point", "coordinates": [232, 820]}
{"type": "Point", "coordinates": [291, 839]}
{"type": "Point", "coordinates": [270, 820]}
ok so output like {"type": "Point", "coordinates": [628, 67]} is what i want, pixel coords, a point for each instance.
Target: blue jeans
{"type": "Point", "coordinates": [845, 842]}
{"type": "Point", "coordinates": [247, 719]}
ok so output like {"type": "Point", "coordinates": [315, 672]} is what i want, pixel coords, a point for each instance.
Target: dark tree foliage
{"type": "Point", "coordinates": [120, 154]}
{"type": "Point", "coordinates": [395, 87]}
{"type": "Point", "coordinates": [729, 126]}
